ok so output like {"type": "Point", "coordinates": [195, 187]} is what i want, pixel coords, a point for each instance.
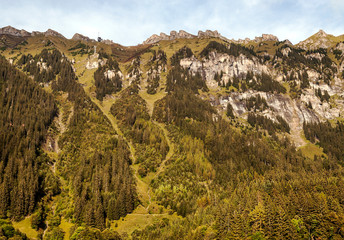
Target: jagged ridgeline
{"type": "Point", "coordinates": [183, 137]}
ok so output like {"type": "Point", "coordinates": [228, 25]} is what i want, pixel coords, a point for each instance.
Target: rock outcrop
{"type": "Point", "coordinates": [229, 66]}
{"type": "Point", "coordinates": [53, 33]}
{"type": "Point", "coordinates": [307, 107]}
{"type": "Point", "coordinates": [266, 37]}
{"type": "Point", "coordinates": [209, 33]}
{"type": "Point", "coordinates": [319, 40]}
{"type": "Point", "coordinates": [107, 41]}
{"type": "Point", "coordinates": [242, 41]}
{"type": "Point", "coordinates": [94, 61]}
{"type": "Point", "coordinates": [47, 33]}
{"type": "Point", "coordinates": [173, 35]}
{"type": "Point", "coordinates": [15, 32]}
{"type": "Point", "coordinates": [183, 34]}
{"type": "Point", "coordinates": [113, 73]}
{"type": "Point", "coordinates": [23, 33]}
{"type": "Point", "coordinates": [263, 38]}
{"type": "Point", "coordinates": [278, 105]}
{"type": "Point", "coordinates": [340, 46]}
{"type": "Point", "coordinates": [80, 37]}
{"type": "Point", "coordinates": [287, 42]}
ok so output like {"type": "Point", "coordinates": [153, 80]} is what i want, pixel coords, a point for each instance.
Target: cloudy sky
{"type": "Point", "coordinates": [130, 22]}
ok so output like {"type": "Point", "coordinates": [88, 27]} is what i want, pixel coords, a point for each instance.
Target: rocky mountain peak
{"type": "Point", "coordinates": [181, 34]}
{"type": "Point", "coordinates": [266, 37]}
{"type": "Point", "coordinates": [173, 35]}
{"type": "Point", "coordinates": [47, 33]}
{"type": "Point", "coordinates": [318, 40]}
{"type": "Point", "coordinates": [321, 33]}
{"type": "Point", "coordinates": [184, 34]}
{"type": "Point", "coordinates": [23, 33]}
{"type": "Point", "coordinates": [13, 31]}
{"type": "Point", "coordinates": [80, 37]}
{"type": "Point", "coordinates": [287, 42]}
{"type": "Point", "coordinates": [164, 35]}
{"type": "Point", "coordinates": [208, 33]}
{"type": "Point", "coordinates": [53, 33]}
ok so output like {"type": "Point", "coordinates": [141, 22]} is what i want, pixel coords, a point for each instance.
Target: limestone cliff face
{"type": "Point", "coordinates": [278, 105]}
{"type": "Point", "coordinates": [134, 72]}
{"type": "Point", "coordinates": [113, 73]}
{"type": "Point", "coordinates": [307, 107]}
{"type": "Point", "coordinates": [218, 63]}
{"type": "Point", "coordinates": [94, 61]}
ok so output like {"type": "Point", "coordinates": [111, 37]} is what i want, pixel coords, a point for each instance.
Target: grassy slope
{"type": "Point", "coordinates": [310, 150]}
{"type": "Point", "coordinates": [25, 227]}
{"type": "Point", "coordinates": [66, 226]}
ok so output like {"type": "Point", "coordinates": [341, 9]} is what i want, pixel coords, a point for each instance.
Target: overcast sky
{"type": "Point", "coordinates": [130, 22]}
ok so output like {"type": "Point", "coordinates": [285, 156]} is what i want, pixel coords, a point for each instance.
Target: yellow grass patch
{"type": "Point", "coordinates": [24, 226]}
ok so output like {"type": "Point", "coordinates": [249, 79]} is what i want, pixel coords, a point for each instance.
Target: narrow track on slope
{"type": "Point", "coordinates": [62, 128]}
{"type": "Point", "coordinates": [142, 187]}
{"type": "Point", "coordinates": [170, 145]}
{"type": "Point", "coordinates": [144, 191]}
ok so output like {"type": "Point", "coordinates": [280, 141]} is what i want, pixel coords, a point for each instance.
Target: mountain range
{"type": "Point", "coordinates": [181, 137]}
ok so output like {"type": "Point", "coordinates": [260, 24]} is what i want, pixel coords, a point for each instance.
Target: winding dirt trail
{"type": "Point", "coordinates": [142, 187]}
{"type": "Point", "coordinates": [170, 145]}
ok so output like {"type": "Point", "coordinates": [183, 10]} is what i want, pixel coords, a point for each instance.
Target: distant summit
{"type": "Point", "coordinates": [81, 37]}
{"type": "Point", "coordinates": [14, 32]}
{"type": "Point", "coordinates": [207, 34]}
{"type": "Point", "coordinates": [23, 33]}
{"type": "Point", "coordinates": [49, 32]}
{"type": "Point", "coordinates": [173, 35]}
{"type": "Point", "coordinates": [266, 37]}
{"type": "Point", "coordinates": [319, 40]}
{"type": "Point", "coordinates": [181, 34]}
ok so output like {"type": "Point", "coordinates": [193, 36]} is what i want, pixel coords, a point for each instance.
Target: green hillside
{"type": "Point", "coordinates": [180, 139]}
